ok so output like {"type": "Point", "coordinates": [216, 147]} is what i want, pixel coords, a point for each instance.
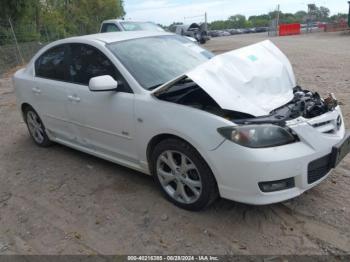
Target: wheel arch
{"type": "Point", "coordinates": [156, 140]}
{"type": "Point", "coordinates": [24, 106]}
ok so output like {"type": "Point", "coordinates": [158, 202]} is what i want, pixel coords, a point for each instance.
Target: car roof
{"type": "Point", "coordinates": [121, 20]}
{"type": "Point", "coordinates": [112, 20]}
{"type": "Point", "coordinates": [117, 36]}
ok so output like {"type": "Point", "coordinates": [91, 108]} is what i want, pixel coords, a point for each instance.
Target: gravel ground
{"type": "Point", "coordinates": [61, 201]}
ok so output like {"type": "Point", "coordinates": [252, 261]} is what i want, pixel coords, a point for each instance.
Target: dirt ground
{"type": "Point", "coordinates": [61, 201]}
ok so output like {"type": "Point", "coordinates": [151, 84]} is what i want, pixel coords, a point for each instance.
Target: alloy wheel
{"type": "Point", "coordinates": [179, 177]}
{"type": "Point", "coordinates": [35, 127]}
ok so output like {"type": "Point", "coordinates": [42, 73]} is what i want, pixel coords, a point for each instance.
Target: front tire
{"type": "Point", "coordinates": [182, 175]}
{"type": "Point", "coordinates": [36, 128]}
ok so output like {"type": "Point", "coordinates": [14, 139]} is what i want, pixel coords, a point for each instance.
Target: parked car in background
{"type": "Point", "coordinates": [311, 28]}
{"type": "Point", "coordinates": [219, 33]}
{"type": "Point", "coordinates": [213, 33]}
{"type": "Point", "coordinates": [225, 33]}
{"type": "Point", "coordinates": [233, 31]}
{"type": "Point", "coordinates": [252, 30]}
{"type": "Point", "coordinates": [160, 104]}
{"type": "Point", "coordinates": [117, 25]}
{"type": "Point", "coordinates": [261, 29]}
{"type": "Point", "coordinates": [197, 31]}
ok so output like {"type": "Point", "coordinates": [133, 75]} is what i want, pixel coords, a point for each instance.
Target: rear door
{"type": "Point", "coordinates": [51, 87]}
{"type": "Point", "coordinates": [104, 120]}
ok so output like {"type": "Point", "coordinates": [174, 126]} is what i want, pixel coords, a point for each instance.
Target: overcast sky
{"type": "Point", "coordinates": [168, 11]}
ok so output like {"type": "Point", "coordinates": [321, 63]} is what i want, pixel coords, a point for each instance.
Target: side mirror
{"type": "Point", "coordinates": [103, 84]}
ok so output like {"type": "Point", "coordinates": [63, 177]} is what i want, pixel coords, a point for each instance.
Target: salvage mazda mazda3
{"type": "Point", "coordinates": [234, 125]}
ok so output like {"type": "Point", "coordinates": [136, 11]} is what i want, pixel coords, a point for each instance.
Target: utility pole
{"type": "Point", "coordinates": [311, 15]}
{"type": "Point", "coordinates": [206, 21]}
{"type": "Point", "coordinates": [349, 15]}
{"type": "Point", "coordinates": [278, 18]}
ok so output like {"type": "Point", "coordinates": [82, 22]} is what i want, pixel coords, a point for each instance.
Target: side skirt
{"type": "Point", "coordinates": [132, 165]}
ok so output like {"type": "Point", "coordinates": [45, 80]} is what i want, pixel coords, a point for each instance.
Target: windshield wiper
{"type": "Point", "coordinates": [154, 87]}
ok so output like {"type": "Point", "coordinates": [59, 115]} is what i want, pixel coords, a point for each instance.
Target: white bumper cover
{"type": "Point", "coordinates": [239, 169]}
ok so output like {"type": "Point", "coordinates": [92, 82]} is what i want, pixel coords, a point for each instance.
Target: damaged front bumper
{"type": "Point", "coordinates": [300, 165]}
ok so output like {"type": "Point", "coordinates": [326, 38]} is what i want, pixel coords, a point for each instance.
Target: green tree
{"type": "Point", "coordinates": [15, 9]}
{"type": "Point", "coordinates": [300, 16]}
{"type": "Point", "coordinates": [47, 20]}
{"type": "Point", "coordinates": [287, 18]}
{"type": "Point", "coordinates": [338, 17]}
{"type": "Point", "coordinates": [259, 20]}
{"type": "Point", "coordinates": [322, 13]}
{"type": "Point", "coordinates": [217, 25]}
{"type": "Point", "coordinates": [77, 17]}
{"type": "Point", "coordinates": [238, 21]}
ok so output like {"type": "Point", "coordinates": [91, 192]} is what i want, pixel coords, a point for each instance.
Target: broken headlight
{"type": "Point", "coordinates": [258, 136]}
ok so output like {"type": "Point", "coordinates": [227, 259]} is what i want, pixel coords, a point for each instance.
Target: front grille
{"type": "Point", "coordinates": [318, 168]}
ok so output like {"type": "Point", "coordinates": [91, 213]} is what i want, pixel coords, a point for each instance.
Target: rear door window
{"type": "Point", "coordinates": [51, 64]}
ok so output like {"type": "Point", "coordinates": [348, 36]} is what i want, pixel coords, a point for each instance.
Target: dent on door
{"type": "Point", "coordinates": [104, 121]}
{"type": "Point", "coordinates": [53, 109]}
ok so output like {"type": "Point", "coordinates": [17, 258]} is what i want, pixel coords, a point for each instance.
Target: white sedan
{"type": "Point", "coordinates": [234, 125]}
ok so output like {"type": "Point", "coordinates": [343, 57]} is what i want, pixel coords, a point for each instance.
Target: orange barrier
{"type": "Point", "coordinates": [322, 26]}
{"type": "Point", "coordinates": [336, 27]}
{"type": "Point", "coordinates": [289, 29]}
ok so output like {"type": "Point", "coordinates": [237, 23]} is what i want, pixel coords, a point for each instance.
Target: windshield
{"type": "Point", "coordinates": [139, 26]}
{"type": "Point", "coordinates": [153, 61]}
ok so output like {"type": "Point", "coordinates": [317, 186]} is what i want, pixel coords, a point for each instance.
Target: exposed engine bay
{"type": "Point", "coordinates": [305, 103]}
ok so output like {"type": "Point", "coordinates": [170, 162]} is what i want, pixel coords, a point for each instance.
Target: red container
{"type": "Point", "coordinates": [289, 29]}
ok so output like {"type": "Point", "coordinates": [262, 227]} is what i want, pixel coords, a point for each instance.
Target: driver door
{"type": "Point", "coordinates": [103, 120]}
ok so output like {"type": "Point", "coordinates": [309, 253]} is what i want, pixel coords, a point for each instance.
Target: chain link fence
{"type": "Point", "coordinates": [20, 41]}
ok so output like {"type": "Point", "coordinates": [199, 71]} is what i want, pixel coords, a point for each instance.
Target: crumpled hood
{"type": "Point", "coordinates": [255, 79]}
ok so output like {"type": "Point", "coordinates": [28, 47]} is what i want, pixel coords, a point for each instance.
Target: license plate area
{"type": "Point", "coordinates": [340, 150]}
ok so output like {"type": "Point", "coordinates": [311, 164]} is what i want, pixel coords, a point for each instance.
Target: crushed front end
{"type": "Point", "coordinates": [280, 140]}
{"type": "Point", "coordinates": [280, 172]}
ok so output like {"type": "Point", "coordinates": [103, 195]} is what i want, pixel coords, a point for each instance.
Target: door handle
{"type": "Point", "coordinates": [36, 90]}
{"type": "Point", "coordinates": [74, 98]}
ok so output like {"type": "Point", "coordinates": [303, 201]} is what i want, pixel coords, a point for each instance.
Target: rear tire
{"type": "Point", "coordinates": [183, 176]}
{"type": "Point", "coordinates": [36, 128]}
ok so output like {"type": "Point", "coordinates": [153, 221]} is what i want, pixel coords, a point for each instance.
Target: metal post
{"type": "Point", "coordinates": [206, 21]}
{"type": "Point", "coordinates": [278, 20]}
{"type": "Point", "coordinates": [308, 19]}
{"type": "Point", "coordinates": [14, 36]}
{"type": "Point", "coordinates": [311, 11]}
{"type": "Point", "coordinates": [349, 15]}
